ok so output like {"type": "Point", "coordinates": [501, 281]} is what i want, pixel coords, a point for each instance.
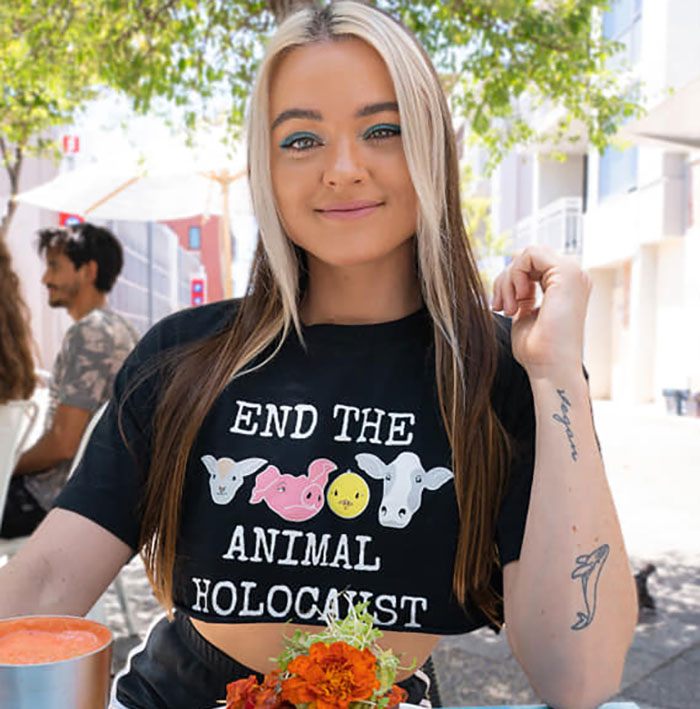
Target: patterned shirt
{"type": "Point", "coordinates": [91, 354]}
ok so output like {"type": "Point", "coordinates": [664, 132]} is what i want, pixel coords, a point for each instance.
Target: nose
{"type": "Point", "coordinates": [345, 165]}
{"type": "Point", "coordinates": [312, 496]}
{"type": "Point", "coordinates": [45, 277]}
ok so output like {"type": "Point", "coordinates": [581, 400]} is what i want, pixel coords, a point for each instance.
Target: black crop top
{"type": "Point", "coordinates": [321, 479]}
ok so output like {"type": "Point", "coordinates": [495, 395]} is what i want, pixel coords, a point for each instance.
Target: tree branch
{"type": "Point", "coordinates": [148, 18]}
{"type": "Point", "coordinates": [3, 150]}
{"type": "Point", "coordinates": [14, 173]}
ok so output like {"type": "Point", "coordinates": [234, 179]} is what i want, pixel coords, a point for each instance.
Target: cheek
{"type": "Point", "coordinates": [396, 170]}
{"type": "Point", "coordinates": [410, 199]}
{"type": "Point", "coordinates": [408, 202]}
{"type": "Point", "coordinates": [290, 192]}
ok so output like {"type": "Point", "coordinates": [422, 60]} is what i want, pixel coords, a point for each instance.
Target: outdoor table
{"type": "Point", "coordinates": [610, 705]}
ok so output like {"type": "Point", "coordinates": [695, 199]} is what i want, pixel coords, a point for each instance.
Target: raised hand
{"type": "Point", "coordinates": [548, 338]}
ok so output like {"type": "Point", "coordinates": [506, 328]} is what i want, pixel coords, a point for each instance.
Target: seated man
{"type": "Point", "coordinates": [82, 264]}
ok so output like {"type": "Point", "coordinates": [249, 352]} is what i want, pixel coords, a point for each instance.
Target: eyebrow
{"type": "Point", "coordinates": [296, 113]}
{"type": "Point", "coordinates": [368, 110]}
{"type": "Point", "coordinates": [373, 108]}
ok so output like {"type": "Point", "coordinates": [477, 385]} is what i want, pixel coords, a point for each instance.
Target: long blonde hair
{"type": "Point", "coordinates": [465, 344]}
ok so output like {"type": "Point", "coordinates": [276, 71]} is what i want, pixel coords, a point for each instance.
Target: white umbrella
{"type": "Point", "coordinates": [136, 193]}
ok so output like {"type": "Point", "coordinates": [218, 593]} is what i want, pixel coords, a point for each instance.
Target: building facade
{"type": "Point", "coordinates": [641, 238]}
{"type": "Point", "coordinates": [200, 236]}
{"type": "Point", "coordinates": [631, 213]}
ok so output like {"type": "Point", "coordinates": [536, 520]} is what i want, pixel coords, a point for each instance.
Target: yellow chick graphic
{"type": "Point", "coordinates": [348, 495]}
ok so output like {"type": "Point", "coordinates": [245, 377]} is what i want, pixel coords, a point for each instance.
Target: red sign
{"type": "Point", "coordinates": [71, 143]}
{"type": "Point", "coordinates": [197, 290]}
{"type": "Point", "coordinates": [65, 219]}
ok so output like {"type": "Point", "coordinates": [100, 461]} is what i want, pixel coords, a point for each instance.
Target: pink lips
{"type": "Point", "coordinates": [350, 210]}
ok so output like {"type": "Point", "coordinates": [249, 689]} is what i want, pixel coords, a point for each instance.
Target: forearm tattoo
{"type": "Point", "coordinates": [588, 568]}
{"type": "Point", "coordinates": [564, 419]}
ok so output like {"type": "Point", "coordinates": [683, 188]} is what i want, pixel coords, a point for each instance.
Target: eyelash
{"type": "Point", "coordinates": [390, 130]}
{"type": "Point", "coordinates": [289, 143]}
{"type": "Point", "coordinates": [381, 131]}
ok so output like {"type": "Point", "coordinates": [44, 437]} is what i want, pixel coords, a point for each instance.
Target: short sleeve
{"type": "Point", "coordinates": [88, 355]}
{"type": "Point", "coordinates": [108, 484]}
{"type": "Point", "coordinates": [514, 405]}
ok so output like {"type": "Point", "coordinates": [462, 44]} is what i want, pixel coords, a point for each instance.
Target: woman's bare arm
{"type": "Point", "coordinates": [570, 603]}
{"type": "Point", "coordinates": [63, 568]}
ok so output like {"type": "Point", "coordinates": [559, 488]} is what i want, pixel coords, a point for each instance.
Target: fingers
{"type": "Point", "coordinates": [503, 292]}
{"type": "Point", "coordinates": [515, 289]}
{"type": "Point", "coordinates": [536, 261]}
{"type": "Point", "coordinates": [525, 291]}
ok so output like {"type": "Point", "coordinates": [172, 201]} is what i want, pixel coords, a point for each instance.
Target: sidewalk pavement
{"type": "Point", "coordinates": [653, 465]}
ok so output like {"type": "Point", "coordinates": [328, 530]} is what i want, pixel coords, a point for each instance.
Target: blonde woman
{"type": "Point", "coordinates": [360, 421]}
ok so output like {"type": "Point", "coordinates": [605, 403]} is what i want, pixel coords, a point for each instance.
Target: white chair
{"type": "Point", "coordinates": [17, 419]}
{"type": "Point", "coordinates": [86, 437]}
{"type": "Point", "coordinates": [8, 547]}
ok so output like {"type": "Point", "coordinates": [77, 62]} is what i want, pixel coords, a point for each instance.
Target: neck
{"type": "Point", "coordinates": [86, 301]}
{"type": "Point", "coordinates": [380, 291]}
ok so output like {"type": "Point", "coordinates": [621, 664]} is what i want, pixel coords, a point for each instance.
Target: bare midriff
{"type": "Point", "coordinates": [253, 644]}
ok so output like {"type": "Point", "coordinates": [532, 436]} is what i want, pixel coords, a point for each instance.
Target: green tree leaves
{"type": "Point", "coordinates": [503, 59]}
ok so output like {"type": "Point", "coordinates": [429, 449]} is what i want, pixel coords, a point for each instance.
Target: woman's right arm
{"type": "Point", "coordinates": [63, 568]}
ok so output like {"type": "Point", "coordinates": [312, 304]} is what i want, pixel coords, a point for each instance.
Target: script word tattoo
{"type": "Point", "coordinates": [588, 568]}
{"type": "Point", "coordinates": [564, 419]}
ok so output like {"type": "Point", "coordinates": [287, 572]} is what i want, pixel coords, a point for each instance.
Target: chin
{"type": "Point", "coordinates": [362, 252]}
{"type": "Point", "coordinates": [349, 260]}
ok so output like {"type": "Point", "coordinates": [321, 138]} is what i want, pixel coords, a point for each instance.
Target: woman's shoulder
{"type": "Point", "coordinates": [189, 325]}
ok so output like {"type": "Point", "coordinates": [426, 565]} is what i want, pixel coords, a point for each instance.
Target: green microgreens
{"type": "Point", "coordinates": [356, 629]}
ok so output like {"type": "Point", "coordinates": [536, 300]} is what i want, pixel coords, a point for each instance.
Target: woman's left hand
{"type": "Point", "coordinates": [548, 338]}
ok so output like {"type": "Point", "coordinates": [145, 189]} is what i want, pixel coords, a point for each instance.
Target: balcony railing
{"type": "Point", "coordinates": [559, 225]}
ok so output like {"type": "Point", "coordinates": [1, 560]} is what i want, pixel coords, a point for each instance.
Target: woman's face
{"type": "Point", "coordinates": [339, 173]}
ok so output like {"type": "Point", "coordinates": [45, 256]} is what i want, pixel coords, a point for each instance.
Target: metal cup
{"type": "Point", "coordinates": [80, 682]}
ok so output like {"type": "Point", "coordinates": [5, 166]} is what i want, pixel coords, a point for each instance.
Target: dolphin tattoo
{"type": "Point", "coordinates": [588, 568]}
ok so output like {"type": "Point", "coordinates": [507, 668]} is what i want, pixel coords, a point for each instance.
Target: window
{"type": "Point", "coordinates": [618, 171]}
{"type": "Point", "coordinates": [195, 237]}
{"type": "Point", "coordinates": [623, 23]}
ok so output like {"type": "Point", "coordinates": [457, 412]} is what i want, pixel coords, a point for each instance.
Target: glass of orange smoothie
{"type": "Point", "coordinates": [54, 662]}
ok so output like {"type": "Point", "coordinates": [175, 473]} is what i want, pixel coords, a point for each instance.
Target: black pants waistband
{"type": "Point", "coordinates": [178, 668]}
{"type": "Point", "coordinates": [210, 654]}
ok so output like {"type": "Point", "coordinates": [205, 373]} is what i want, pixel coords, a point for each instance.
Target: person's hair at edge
{"type": "Point", "coordinates": [86, 242]}
{"type": "Point", "coordinates": [17, 377]}
{"type": "Point", "coordinates": [451, 288]}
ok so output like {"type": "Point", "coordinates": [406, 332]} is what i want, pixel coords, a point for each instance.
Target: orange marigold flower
{"type": "Point", "coordinates": [331, 676]}
{"type": "Point", "coordinates": [239, 692]}
{"type": "Point", "coordinates": [397, 695]}
{"type": "Point", "coordinates": [248, 694]}
{"type": "Point", "coordinates": [268, 696]}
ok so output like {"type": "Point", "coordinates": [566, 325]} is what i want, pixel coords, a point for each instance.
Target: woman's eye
{"type": "Point", "coordinates": [298, 142]}
{"type": "Point", "coordinates": [383, 130]}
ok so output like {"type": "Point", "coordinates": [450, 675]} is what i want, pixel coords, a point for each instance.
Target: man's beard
{"type": "Point", "coordinates": [61, 298]}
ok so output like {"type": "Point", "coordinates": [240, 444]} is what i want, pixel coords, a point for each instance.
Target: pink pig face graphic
{"type": "Point", "coordinates": [295, 498]}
